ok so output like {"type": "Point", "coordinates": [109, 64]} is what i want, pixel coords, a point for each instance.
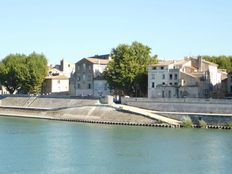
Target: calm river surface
{"type": "Point", "coordinates": [29, 146]}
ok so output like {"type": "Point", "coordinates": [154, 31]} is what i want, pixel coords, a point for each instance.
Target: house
{"type": "Point", "coordinates": [191, 77]}
{"type": "Point", "coordinates": [55, 82]}
{"type": "Point", "coordinates": [87, 79]}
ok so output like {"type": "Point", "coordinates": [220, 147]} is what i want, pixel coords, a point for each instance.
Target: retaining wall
{"type": "Point", "coordinates": [42, 102]}
{"type": "Point", "coordinates": [182, 105]}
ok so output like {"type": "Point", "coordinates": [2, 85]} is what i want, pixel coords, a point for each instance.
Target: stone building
{"type": "Point", "coordinates": [191, 77]}
{"type": "Point", "coordinates": [55, 82]}
{"type": "Point", "coordinates": [229, 85]}
{"type": "Point", "coordinates": [67, 68]}
{"type": "Point", "coordinates": [87, 79]}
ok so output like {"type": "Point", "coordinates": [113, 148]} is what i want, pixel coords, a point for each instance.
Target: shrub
{"type": "Point", "coordinates": [187, 123]}
{"type": "Point", "coordinates": [202, 124]}
{"type": "Point", "coordinates": [229, 124]}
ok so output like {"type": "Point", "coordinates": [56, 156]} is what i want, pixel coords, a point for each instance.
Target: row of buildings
{"type": "Point", "coordinates": [190, 77]}
{"type": "Point", "coordinates": [81, 79]}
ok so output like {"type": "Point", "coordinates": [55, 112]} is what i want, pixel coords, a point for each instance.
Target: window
{"type": "Point", "coordinates": [231, 89]}
{"type": "Point", "coordinates": [153, 85]}
{"type": "Point", "coordinates": [162, 94]}
{"type": "Point", "coordinates": [83, 77]}
{"type": "Point", "coordinates": [78, 78]}
{"type": "Point", "coordinates": [163, 76]}
{"type": "Point", "coordinates": [58, 81]}
{"type": "Point", "coordinates": [153, 76]}
{"type": "Point", "coordinates": [84, 66]}
{"type": "Point", "coordinates": [154, 68]}
{"type": "Point", "coordinates": [170, 84]}
{"type": "Point", "coordinates": [89, 67]}
{"type": "Point", "coordinates": [161, 67]}
{"type": "Point", "coordinates": [78, 67]}
{"type": "Point", "coordinates": [176, 83]}
{"type": "Point", "coordinates": [89, 86]}
{"type": "Point", "coordinates": [68, 65]}
{"type": "Point", "coordinates": [78, 86]}
{"type": "Point", "coordinates": [175, 76]}
{"type": "Point", "coordinates": [163, 83]}
{"type": "Point", "coordinates": [170, 76]}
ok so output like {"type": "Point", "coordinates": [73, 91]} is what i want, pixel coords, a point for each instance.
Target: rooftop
{"type": "Point", "coordinates": [104, 56]}
{"type": "Point", "coordinates": [58, 77]}
{"type": "Point", "coordinates": [98, 61]}
{"type": "Point", "coordinates": [169, 62]}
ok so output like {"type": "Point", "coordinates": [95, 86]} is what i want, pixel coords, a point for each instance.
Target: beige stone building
{"type": "Point", "coordinates": [55, 82]}
{"type": "Point", "coordinates": [191, 77]}
{"type": "Point", "coordinates": [87, 79]}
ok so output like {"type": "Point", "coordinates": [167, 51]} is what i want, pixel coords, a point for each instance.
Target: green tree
{"type": "Point", "coordinates": [13, 72]}
{"type": "Point", "coordinates": [224, 62]}
{"type": "Point", "coordinates": [37, 67]}
{"type": "Point", "coordinates": [19, 72]}
{"type": "Point", "coordinates": [126, 74]}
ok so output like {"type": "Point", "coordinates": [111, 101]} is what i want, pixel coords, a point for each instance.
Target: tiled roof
{"type": "Point", "coordinates": [181, 62]}
{"type": "Point", "coordinates": [98, 61]}
{"type": "Point", "coordinates": [163, 63]}
{"type": "Point", "coordinates": [59, 77]}
{"type": "Point", "coordinates": [169, 62]}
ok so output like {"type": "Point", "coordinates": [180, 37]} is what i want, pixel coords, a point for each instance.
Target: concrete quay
{"type": "Point", "coordinates": [147, 113]}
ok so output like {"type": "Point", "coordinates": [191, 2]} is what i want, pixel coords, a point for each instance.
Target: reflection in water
{"type": "Point", "coordinates": [40, 146]}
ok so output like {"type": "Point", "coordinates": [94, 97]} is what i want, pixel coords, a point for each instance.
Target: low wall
{"type": "Point", "coordinates": [44, 102]}
{"type": "Point", "coordinates": [182, 105]}
{"type": "Point", "coordinates": [209, 119]}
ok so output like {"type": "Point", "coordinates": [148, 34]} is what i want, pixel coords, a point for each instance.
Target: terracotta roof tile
{"type": "Point", "coordinates": [59, 77]}
{"type": "Point", "coordinates": [98, 61]}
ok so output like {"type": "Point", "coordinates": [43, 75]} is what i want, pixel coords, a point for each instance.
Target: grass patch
{"type": "Point", "coordinates": [202, 123]}
{"type": "Point", "coordinates": [187, 123]}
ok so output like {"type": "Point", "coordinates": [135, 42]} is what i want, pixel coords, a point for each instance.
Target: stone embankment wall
{"type": "Point", "coordinates": [182, 105]}
{"type": "Point", "coordinates": [42, 102]}
{"type": "Point", "coordinates": [86, 110]}
{"type": "Point", "coordinates": [216, 112]}
{"type": "Point", "coordinates": [209, 119]}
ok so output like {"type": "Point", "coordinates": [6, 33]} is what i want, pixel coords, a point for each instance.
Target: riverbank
{"type": "Point", "coordinates": [91, 111]}
{"type": "Point", "coordinates": [91, 114]}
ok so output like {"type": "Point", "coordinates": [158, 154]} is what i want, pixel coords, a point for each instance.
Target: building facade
{"type": "Point", "coordinates": [191, 77]}
{"type": "Point", "coordinates": [55, 82]}
{"type": "Point", "coordinates": [87, 79]}
{"type": "Point", "coordinates": [229, 84]}
{"type": "Point", "coordinates": [67, 68]}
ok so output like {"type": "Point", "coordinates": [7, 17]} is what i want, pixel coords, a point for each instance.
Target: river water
{"type": "Point", "coordinates": [30, 146]}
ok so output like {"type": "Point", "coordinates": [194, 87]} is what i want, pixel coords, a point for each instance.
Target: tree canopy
{"type": "Point", "coordinates": [127, 72]}
{"type": "Point", "coordinates": [224, 62]}
{"type": "Point", "coordinates": [22, 73]}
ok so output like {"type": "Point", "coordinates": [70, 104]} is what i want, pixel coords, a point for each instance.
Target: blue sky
{"type": "Point", "coordinates": [73, 29]}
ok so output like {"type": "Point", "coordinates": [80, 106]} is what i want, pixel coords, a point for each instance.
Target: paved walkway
{"type": "Point", "coordinates": [147, 113]}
